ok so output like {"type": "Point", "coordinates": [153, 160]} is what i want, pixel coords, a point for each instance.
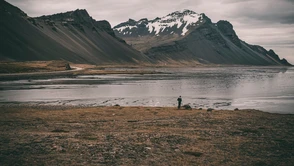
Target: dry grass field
{"type": "Point", "coordinates": [53, 69]}
{"type": "Point", "coordinates": [32, 135]}
{"type": "Point", "coordinates": [31, 66]}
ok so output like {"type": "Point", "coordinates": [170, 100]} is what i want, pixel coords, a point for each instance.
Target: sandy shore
{"type": "Point", "coordinates": [76, 70]}
{"type": "Point", "coordinates": [53, 69]}
{"type": "Point", "coordinates": [143, 136]}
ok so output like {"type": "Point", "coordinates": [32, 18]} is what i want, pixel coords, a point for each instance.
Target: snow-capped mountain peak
{"type": "Point", "coordinates": [178, 22]}
{"type": "Point", "coordinates": [180, 13]}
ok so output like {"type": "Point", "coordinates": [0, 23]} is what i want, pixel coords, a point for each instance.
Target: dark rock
{"type": "Point", "coordinates": [187, 107]}
{"type": "Point", "coordinates": [67, 66]}
{"type": "Point", "coordinates": [236, 109]}
{"type": "Point", "coordinates": [33, 21]}
{"type": "Point", "coordinates": [59, 131]}
{"type": "Point", "coordinates": [285, 62]}
{"type": "Point", "coordinates": [64, 23]}
{"type": "Point", "coordinates": [196, 154]}
{"type": "Point", "coordinates": [117, 105]}
{"type": "Point", "coordinates": [132, 121]}
{"type": "Point", "coordinates": [209, 109]}
{"type": "Point", "coordinates": [105, 26]}
{"type": "Point", "coordinates": [54, 29]}
{"type": "Point", "coordinates": [227, 29]}
{"type": "Point", "coordinates": [207, 19]}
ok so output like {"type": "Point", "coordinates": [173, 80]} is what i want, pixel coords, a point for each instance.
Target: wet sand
{"type": "Point", "coordinates": [59, 135]}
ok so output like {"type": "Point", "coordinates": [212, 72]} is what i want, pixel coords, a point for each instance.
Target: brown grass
{"type": "Point", "coordinates": [46, 69]}
{"type": "Point", "coordinates": [143, 136]}
{"type": "Point", "coordinates": [32, 66]}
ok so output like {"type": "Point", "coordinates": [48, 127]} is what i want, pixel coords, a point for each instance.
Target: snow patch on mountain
{"type": "Point", "coordinates": [161, 25]}
{"type": "Point", "coordinates": [128, 27]}
{"type": "Point", "coordinates": [191, 19]}
{"type": "Point", "coordinates": [179, 19]}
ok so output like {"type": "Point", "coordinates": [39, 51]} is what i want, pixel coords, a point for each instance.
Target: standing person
{"type": "Point", "coordinates": [179, 102]}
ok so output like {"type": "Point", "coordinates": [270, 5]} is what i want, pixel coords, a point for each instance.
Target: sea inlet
{"type": "Point", "coordinates": [269, 89]}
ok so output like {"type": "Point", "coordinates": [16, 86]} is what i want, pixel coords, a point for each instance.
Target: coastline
{"type": "Point", "coordinates": [52, 69]}
{"type": "Point", "coordinates": [65, 135]}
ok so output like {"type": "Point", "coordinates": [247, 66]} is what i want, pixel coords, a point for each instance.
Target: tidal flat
{"type": "Point", "coordinates": [269, 89]}
{"type": "Point", "coordinates": [63, 135]}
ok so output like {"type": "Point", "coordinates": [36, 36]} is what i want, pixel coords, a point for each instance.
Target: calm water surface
{"type": "Point", "coordinates": [269, 89]}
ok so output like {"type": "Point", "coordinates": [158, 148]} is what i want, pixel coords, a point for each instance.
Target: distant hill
{"type": "Point", "coordinates": [73, 36]}
{"type": "Point", "coordinates": [185, 36]}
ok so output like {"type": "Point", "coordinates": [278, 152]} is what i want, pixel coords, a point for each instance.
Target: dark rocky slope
{"type": "Point", "coordinates": [73, 36]}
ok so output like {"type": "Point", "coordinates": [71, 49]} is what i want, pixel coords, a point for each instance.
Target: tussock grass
{"type": "Point", "coordinates": [32, 66]}
{"type": "Point", "coordinates": [143, 136]}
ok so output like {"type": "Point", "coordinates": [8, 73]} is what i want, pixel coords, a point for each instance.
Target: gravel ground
{"type": "Point", "coordinates": [59, 135]}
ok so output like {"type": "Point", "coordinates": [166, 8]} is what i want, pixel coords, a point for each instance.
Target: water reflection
{"type": "Point", "coordinates": [267, 88]}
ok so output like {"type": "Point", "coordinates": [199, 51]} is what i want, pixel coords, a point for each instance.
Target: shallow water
{"type": "Point", "coordinates": [269, 89]}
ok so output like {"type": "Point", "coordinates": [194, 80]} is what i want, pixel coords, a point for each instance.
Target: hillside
{"type": "Point", "coordinates": [190, 37]}
{"type": "Point", "coordinates": [72, 36]}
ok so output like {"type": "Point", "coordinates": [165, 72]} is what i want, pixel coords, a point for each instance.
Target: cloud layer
{"type": "Point", "coordinates": [269, 23]}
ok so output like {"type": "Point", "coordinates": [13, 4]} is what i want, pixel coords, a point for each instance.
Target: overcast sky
{"type": "Point", "coordinates": [269, 23]}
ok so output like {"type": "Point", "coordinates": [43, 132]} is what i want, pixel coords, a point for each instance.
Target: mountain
{"type": "Point", "coordinates": [73, 36]}
{"type": "Point", "coordinates": [188, 37]}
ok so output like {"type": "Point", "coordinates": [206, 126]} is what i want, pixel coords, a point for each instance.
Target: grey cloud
{"type": "Point", "coordinates": [235, 1]}
{"type": "Point", "coordinates": [265, 11]}
{"type": "Point", "coordinates": [115, 11]}
{"type": "Point", "coordinates": [288, 19]}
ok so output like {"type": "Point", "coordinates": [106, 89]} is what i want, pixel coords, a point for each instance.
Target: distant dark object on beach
{"type": "Point", "coordinates": [59, 131]}
{"type": "Point", "coordinates": [117, 105]}
{"type": "Point", "coordinates": [187, 107]}
{"type": "Point", "coordinates": [209, 109]}
{"type": "Point", "coordinates": [132, 121]}
{"type": "Point", "coordinates": [200, 108]}
{"type": "Point", "coordinates": [196, 154]}
{"type": "Point", "coordinates": [236, 109]}
{"type": "Point", "coordinates": [67, 66]}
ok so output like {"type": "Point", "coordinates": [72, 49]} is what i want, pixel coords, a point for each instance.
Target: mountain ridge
{"type": "Point", "coordinates": [181, 37]}
{"type": "Point", "coordinates": [72, 36]}
{"type": "Point", "coordinates": [158, 26]}
{"type": "Point", "coordinates": [198, 39]}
